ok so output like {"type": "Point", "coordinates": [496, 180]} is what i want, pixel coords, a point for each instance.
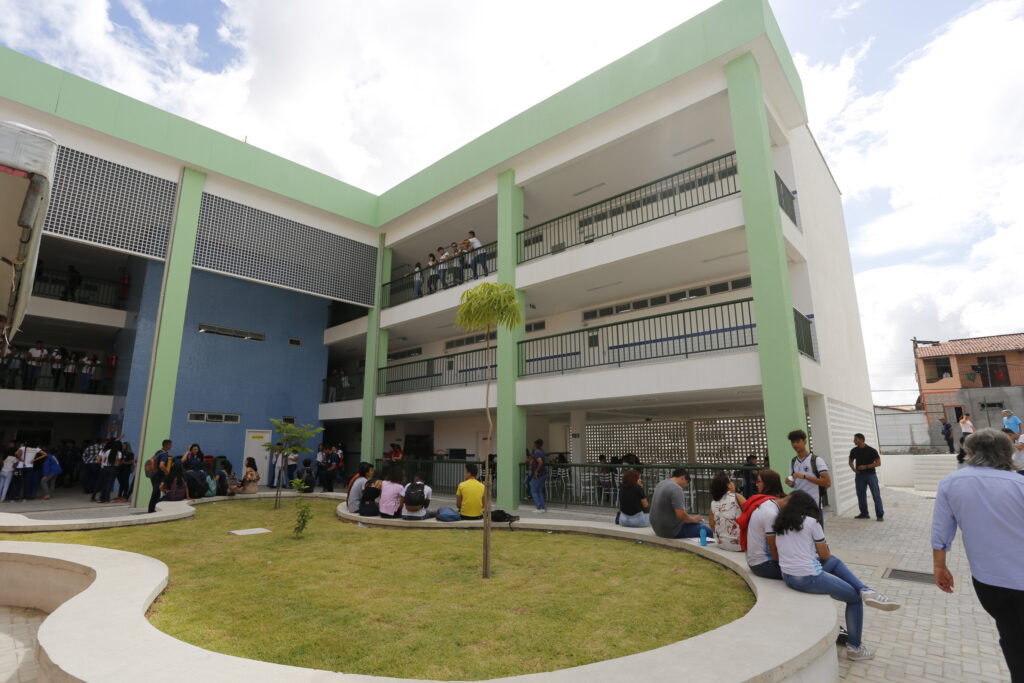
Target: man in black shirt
{"type": "Point", "coordinates": [864, 460]}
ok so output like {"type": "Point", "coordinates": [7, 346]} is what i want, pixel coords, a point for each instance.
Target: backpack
{"type": "Point", "coordinates": [822, 490]}
{"type": "Point", "coordinates": [150, 467]}
{"type": "Point", "coordinates": [211, 487]}
{"type": "Point", "coordinates": [308, 480]}
{"type": "Point", "coordinates": [176, 491]}
{"type": "Point", "coordinates": [415, 495]}
{"type": "Point", "coordinates": [502, 516]}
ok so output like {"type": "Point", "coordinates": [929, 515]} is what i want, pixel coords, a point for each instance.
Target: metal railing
{"type": "Point", "coordinates": [597, 484]}
{"type": "Point", "coordinates": [443, 476]}
{"type": "Point", "coordinates": [342, 388]}
{"type": "Point", "coordinates": [425, 374]}
{"type": "Point", "coordinates": [787, 201]}
{"type": "Point", "coordinates": [16, 373]}
{"type": "Point", "coordinates": [666, 196]}
{"type": "Point", "coordinates": [57, 284]}
{"type": "Point", "coordinates": [450, 273]}
{"type": "Point", "coordinates": [804, 333]}
{"type": "Point", "coordinates": [683, 333]}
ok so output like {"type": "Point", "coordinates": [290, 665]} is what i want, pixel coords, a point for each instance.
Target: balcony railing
{"type": "Point", "coordinates": [342, 388]}
{"type": "Point", "coordinates": [455, 369]}
{"type": "Point", "coordinates": [804, 333]}
{"type": "Point", "coordinates": [672, 194]}
{"type": "Point", "coordinates": [683, 333]}
{"type": "Point", "coordinates": [450, 273]}
{"type": "Point", "coordinates": [787, 201]}
{"type": "Point", "coordinates": [57, 284]}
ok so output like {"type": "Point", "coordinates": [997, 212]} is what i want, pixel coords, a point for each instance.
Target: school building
{"type": "Point", "coordinates": [673, 232]}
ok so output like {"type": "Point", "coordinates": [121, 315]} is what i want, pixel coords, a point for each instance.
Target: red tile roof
{"type": "Point", "coordinates": [973, 345]}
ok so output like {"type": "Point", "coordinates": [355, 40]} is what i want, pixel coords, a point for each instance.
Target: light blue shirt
{"type": "Point", "coordinates": [1012, 422]}
{"type": "Point", "coordinates": [988, 506]}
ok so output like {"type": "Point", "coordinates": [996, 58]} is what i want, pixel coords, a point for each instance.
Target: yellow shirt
{"type": "Point", "coordinates": [472, 493]}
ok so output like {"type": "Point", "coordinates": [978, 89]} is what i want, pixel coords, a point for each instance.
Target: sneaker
{"type": "Point", "coordinates": [843, 636]}
{"type": "Point", "coordinates": [859, 653]}
{"type": "Point", "coordinates": [879, 601]}
{"type": "Point", "coordinates": [862, 517]}
{"type": "Point", "coordinates": [540, 511]}
{"type": "Point", "coordinates": [880, 519]}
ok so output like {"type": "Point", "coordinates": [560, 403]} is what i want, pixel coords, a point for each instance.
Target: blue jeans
{"type": "Point", "coordinates": [692, 530]}
{"type": "Point", "coordinates": [767, 570]}
{"type": "Point", "coordinates": [417, 288]}
{"type": "Point", "coordinates": [481, 259]}
{"type": "Point", "coordinates": [839, 582]}
{"type": "Point", "coordinates": [640, 519]}
{"type": "Point", "coordinates": [537, 490]}
{"type": "Point", "coordinates": [864, 481]}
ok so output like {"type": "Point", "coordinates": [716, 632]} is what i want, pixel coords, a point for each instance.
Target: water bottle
{"type": "Point", "coordinates": [703, 535]}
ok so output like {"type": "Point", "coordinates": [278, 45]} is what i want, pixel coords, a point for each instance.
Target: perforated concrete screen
{"type": "Point", "coordinates": [239, 240]}
{"type": "Point", "coordinates": [98, 201]}
{"type": "Point", "coordinates": [720, 441]}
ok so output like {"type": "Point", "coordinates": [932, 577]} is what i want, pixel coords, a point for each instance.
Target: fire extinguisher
{"type": "Point", "coordinates": [125, 281]}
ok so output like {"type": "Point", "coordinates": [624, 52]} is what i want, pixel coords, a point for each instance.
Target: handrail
{"type": "Point", "coordinates": [55, 284]}
{"type": "Point", "coordinates": [340, 392]}
{"type": "Point", "coordinates": [717, 174]}
{"type": "Point", "coordinates": [458, 369]}
{"type": "Point", "coordinates": [404, 289]}
{"type": "Point", "coordinates": [715, 327]}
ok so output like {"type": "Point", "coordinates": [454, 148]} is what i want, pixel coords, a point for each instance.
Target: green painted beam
{"type": "Point", "coordinates": [170, 323]}
{"type": "Point", "coordinates": [511, 417]}
{"type": "Point", "coordinates": [782, 385]}
{"type": "Point", "coordinates": [372, 437]}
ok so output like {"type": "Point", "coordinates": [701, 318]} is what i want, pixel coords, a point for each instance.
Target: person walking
{"type": "Point", "coordinates": [985, 500]}
{"type": "Point", "coordinates": [540, 475]}
{"type": "Point", "coordinates": [865, 461]}
{"type": "Point", "coordinates": [1011, 421]}
{"type": "Point", "coordinates": [947, 433]}
{"type": "Point", "coordinates": [966, 429]}
{"type": "Point", "coordinates": [162, 460]}
{"type": "Point", "coordinates": [808, 472]}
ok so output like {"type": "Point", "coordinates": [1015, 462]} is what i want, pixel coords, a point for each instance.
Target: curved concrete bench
{"type": "Point", "coordinates": [97, 597]}
{"type": "Point", "coordinates": [165, 512]}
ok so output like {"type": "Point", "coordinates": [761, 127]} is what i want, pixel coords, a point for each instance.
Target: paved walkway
{"type": "Point", "coordinates": [17, 644]}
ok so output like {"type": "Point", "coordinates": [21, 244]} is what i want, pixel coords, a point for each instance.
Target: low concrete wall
{"type": "Point", "coordinates": [98, 597]}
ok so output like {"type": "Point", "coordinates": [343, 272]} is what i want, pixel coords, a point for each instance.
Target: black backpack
{"type": "Point", "coordinates": [822, 490]}
{"type": "Point", "coordinates": [308, 480]}
{"type": "Point", "coordinates": [502, 516]}
{"type": "Point", "coordinates": [415, 495]}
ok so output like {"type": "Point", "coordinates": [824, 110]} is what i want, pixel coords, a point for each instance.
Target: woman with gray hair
{"type": "Point", "coordinates": [986, 501]}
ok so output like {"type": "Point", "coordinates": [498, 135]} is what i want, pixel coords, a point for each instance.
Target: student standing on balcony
{"type": "Point", "coordinates": [417, 281]}
{"type": "Point", "coordinates": [442, 267]}
{"type": "Point", "coordinates": [479, 257]}
{"type": "Point", "coordinates": [432, 276]}
{"type": "Point", "coordinates": [458, 263]}
{"type": "Point", "coordinates": [33, 363]}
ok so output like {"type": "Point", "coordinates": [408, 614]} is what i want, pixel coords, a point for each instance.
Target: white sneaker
{"type": "Point", "coordinates": [879, 601]}
{"type": "Point", "coordinates": [858, 653]}
{"type": "Point", "coordinates": [540, 511]}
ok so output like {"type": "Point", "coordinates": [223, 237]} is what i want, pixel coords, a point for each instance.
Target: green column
{"type": "Point", "coordinates": [781, 384]}
{"type": "Point", "coordinates": [511, 417]}
{"type": "Point", "coordinates": [372, 440]}
{"type": "Point", "coordinates": [170, 321]}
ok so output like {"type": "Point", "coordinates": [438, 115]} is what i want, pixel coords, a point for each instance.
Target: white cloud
{"type": "Point", "coordinates": [845, 9]}
{"type": "Point", "coordinates": [368, 91]}
{"type": "Point", "coordinates": [942, 144]}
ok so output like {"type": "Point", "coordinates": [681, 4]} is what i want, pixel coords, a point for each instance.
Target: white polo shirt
{"type": "Point", "coordinates": [804, 467]}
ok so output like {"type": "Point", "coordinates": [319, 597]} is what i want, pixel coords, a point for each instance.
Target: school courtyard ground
{"type": "Point", "coordinates": [934, 637]}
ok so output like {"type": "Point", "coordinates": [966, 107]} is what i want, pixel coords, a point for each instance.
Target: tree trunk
{"type": "Point", "coordinates": [487, 459]}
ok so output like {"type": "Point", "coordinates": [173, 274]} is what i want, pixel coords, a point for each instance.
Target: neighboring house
{"type": "Point", "coordinates": [978, 375]}
{"type": "Point", "coordinates": [672, 227]}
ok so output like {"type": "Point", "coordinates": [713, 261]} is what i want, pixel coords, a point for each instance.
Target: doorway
{"type": "Point", "coordinates": [254, 448]}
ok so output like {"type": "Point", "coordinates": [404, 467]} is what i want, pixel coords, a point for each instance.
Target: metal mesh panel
{"type": "Point", "coordinates": [728, 441]}
{"type": "Point", "coordinates": [652, 442]}
{"type": "Point", "coordinates": [719, 441]}
{"type": "Point", "coordinates": [239, 240]}
{"type": "Point", "coordinates": [106, 203]}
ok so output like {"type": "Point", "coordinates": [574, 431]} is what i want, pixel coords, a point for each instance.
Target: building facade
{"type": "Point", "coordinates": [980, 375]}
{"type": "Point", "coordinates": [671, 228]}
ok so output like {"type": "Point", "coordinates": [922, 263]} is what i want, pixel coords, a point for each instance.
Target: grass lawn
{"type": "Point", "coordinates": [412, 603]}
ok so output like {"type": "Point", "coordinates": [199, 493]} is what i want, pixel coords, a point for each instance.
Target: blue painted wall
{"type": "Point", "coordinates": [258, 380]}
{"type": "Point", "coordinates": [134, 348]}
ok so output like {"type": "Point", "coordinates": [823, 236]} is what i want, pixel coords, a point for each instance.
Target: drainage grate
{"type": "Point", "coordinates": [908, 575]}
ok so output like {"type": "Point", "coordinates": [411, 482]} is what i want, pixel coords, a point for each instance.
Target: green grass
{"type": "Point", "coordinates": [412, 603]}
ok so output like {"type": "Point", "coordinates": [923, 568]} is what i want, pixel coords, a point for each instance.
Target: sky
{"type": "Point", "coordinates": [917, 105]}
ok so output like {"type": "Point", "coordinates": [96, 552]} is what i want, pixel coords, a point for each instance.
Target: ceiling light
{"type": "Point", "coordinates": [610, 284]}
{"type": "Point", "coordinates": [693, 147]}
{"type": "Point", "coordinates": [592, 187]}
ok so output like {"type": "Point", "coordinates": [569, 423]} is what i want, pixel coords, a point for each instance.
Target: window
{"type": "Point", "coordinates": [993, 371]}
{"type": "Point", "coordinates": [718, 287]}
{"type": "Point", "coordinates": [996, 405]}
{"type": "Point", "coordinates": [622, 308]}
{"type": "Point", "coordinates": [535, 326]}
{"type": "Point", "coordinates": [605, 311]}
{"type": "Point", "coordinates": [740, 283]}
{"type": "Point", "coordinates": [218, 418]}
{"type": "Point", "coordinates": [206, 328]}
{"type": "Point", "coordinates": [590, 315]}
{"type": "Point", "coordinates": [293, 341]}
{"type": "Point", "coordinates": [699, 291]}
{"type": "Point", "coordinates": [288, 419]}
{"type": "Point", "coordinates": [677, 296]}
{"type": "Point", "coordinates": [659, 300]}
{"type": "Point", "coordinates": [937, 368]}
{"type": "Point", "coordinates": [408, 353]}
{"type": "Point", "coordinates": [637, 305]}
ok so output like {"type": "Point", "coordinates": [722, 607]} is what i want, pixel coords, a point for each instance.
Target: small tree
{"type": "Point", "coordinates": [303, 511]}
{"type": "Point", "coordinates": [486, 307]}
{"type": "Point", "coordinates": [293, 440]}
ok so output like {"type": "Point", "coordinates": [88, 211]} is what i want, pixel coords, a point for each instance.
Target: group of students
{"type": "Point", "coordinates": [781, 535]}
{"type": "Point", "coordinates": [50, 369]}
{"type": "Point", "coordinates": [190, 476]}
{"type": "Point", "coordinates": [391, 497]}
{"type": "Point", "coordinates": [29, 468]}
{"type": "Point", "coordinates": [448, 266]}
